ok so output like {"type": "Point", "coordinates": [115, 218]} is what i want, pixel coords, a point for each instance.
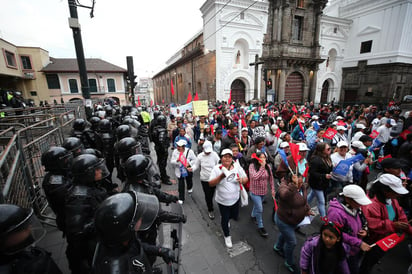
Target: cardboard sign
{"type": "Point", "coordinates": [201, 108]}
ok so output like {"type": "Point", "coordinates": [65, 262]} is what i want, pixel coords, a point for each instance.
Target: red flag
{"type": "Point", "coordinates": [380, 159]}
{"type": "Point", "coordinates": [294, 150]}
{"type": "Point", "coordinates": [294, 109]}
{"type": "Point", "coordinates": [151, 102]}
{"type": "Point", "coordinates": [163, 101]}
{"type": "Point", "coordinates": [230, 97]}
{"type": "Point", "coordinates": [196, 97]}
{"type": "Point", "coordinates": [138, 100]}
{"type": "Point", "coordinates": [301, 127]}
{"type": "Point", "coordinates": [211, 129]}
{"type": "Point", "coordinates": [172, 90]}
{"type": "Point", "coordinates": [404, 134]}
{"type": "Point", "coordinates": [341, 123]}
{"type": "Point", "coordinates": [305, 174]}
{"type": "Point", "coordinates": [183, 159]}
{"type": "Point", "coordinates": [278, 132]}
{"type": "Point", "coordinates": [374, 134]}
{"type": "Point", "coordinates": [390, 241]}
{"type": "Point", "coordinates": [329, 133]}
{"type": "Point", "coordinates": [189, 98]}
{"type": "Point", "coordinates": [243, 123]}
{"type": "Point", "coordinates": [254, 156]}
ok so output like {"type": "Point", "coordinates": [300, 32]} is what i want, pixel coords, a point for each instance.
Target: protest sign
{"type": "Point", "coordinates": [200, 108]}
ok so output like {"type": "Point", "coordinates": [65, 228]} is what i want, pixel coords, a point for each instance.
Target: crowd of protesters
{"type": "Point", "coordinates": [299, 152]}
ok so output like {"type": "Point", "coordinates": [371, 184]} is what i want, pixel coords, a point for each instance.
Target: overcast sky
{"type": "Point", "coordinates": [149, 30]}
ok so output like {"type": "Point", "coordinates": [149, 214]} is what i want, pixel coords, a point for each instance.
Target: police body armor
{"type": "Point", "coordinates": [56, 188]}
{"type": "Point", "coordinates": [34, 260]}
{"type": "Point", "coordinates": [131, 259]}
{"type": "Point", "coordinates": [108, 149]}
{"type": "Point", "coordinates": [161, 138]}
{"type": "Point", "coordinates": [143, 138]}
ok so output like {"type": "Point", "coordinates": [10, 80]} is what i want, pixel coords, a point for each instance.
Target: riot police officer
{"type": "Point", "coordinates": [117, 220]}
{"type": "Point", "coordinates": [108, 140]}
{"type": "Point", "coordinates": [125, 148]}
{"type": "Point", "coordinates": [162, 142]}
{"type": "Point", "coordinates": [81, 204]}
{"type": "Point", "coordinates": [56, 183]}
{"type": "Point", "coordinates": [139, 173]}
{"type": "Point", "coordinates": [74, 145]}
{"type": "Point", "coordinates": [153, 123]}
{"type": "Point", "coordinates": [19, 230]}
{"type": "Point", "coordinates": [86, 135]}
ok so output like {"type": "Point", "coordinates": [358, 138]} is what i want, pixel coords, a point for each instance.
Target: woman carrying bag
{"type": "Point", "coordinates": [227, 178]}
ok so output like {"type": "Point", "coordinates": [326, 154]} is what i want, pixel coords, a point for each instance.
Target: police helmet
{"type": "Point", "coordinates": [74, 145]}
{"type": "Point", "coordinates": [156, 114]}
{"type": "Point", "coordinates": [137, 167]}
{"type": "Point", "coordinates": [123, 131]}
{"type": "Point", "coordinates": [19, 229]}
{"type": "Point", "coordinates": [79, 124]}
{"type": "Point", "coordinates": [131, 122]}
{"type": "Point", "coordinates": [94, 121]}
{"type": "Point", "coordinates": [161, 121]}
{"type": "Point", "coordinates": [94, 152]}
{"type": "Point", "coordinates": [122, 214]}
{"type": "Point", "coordinates": [127, 147]}
{"type": "Point", "coordinates": [87, 169]}
{"type": "Point", "coordinates": [57, 159]}
{"type": "Point", "coordinates": [108, 109]}
{"type": "Point", "coordinates": [105, 126]}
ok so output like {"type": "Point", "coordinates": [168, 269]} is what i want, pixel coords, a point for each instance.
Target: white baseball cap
{"type": "Point", "coordinates": [207, 147]}
{"type": "Point", "coordinates": [284, 144]}
{"type": "Point", "coordinates": [315, 117]}
{"type": "Point", "coordinates": [356, 193]}
{"type": "Point", "coordinates": [181, 143]}
{"type": "Point", "coordinates": [279, 118]}
{"type": "Point", "coordinates": [303, 147]}
{"type": "Point", "coordinates": [226, 151]}
{"type": "Point", "coordinates": [339, 118]}
{"type": "Point", "coordinates": [360, 126]}
{"type": "Point", "coordinates": [341, 128]}
{"type": "Point", "coordinates": [342, 144]}
{"type": "Point", "coordinates": [245, 129]}
{"type": "Point", "coordinates": [358, 145]}
{"type": "Point", "coordinates": [395, 183]}
{"type": "Point", "coordinates": [391, 122]}
{"type": "Point", "coordinates": [274, 127]}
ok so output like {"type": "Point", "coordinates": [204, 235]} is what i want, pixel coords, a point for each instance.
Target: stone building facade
{"type": "Point", "coordinates": [217, 59]}
{"type": "Point", "coordinates": [190, 70]}
{"type": "Point", "coordinates": [372, 41]}
{"type": "Point", "coordinates": [291, 48]}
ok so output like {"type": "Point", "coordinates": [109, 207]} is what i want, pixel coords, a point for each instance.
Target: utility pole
{"type": "Point", "coordinates": [256, 64]}
{"type": "Point", "coordinates": [131, 77]}
{"type": "Point", "coordinates": [78, 44]}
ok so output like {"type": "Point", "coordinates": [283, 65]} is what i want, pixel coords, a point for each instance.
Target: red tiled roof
{"type": "Point", "coordinates": [70, 65]}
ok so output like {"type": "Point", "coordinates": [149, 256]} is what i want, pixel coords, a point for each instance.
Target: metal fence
{"type": "Point", "coordinates": [22, 142]}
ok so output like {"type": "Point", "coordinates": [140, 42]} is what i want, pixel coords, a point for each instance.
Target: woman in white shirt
{"type": "Point", "coordinates": [206, 160]}
{"type": "Point", "coordinates": [227, 178]}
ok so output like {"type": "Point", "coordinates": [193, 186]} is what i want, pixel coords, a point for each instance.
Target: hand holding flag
{"type": "Point", "coordinates": [330, 133]}
{"type": "Point", "coordinates": [389, 242]}
{"type": "Point", "coordinates": [182, 159]}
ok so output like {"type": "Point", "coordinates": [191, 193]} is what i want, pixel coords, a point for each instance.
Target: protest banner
{"type": "Point", "coordinates": [200, 108]}
{"type": "Point", "coordinates": [183, 108]}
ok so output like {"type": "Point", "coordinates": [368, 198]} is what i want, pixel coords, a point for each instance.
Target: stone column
{"type": "Point", "coordinates": [282, 83]}
{"type": "Point", "coordinates": [313, 81]}
{"type": "Point", "coordinates": [286, 27]}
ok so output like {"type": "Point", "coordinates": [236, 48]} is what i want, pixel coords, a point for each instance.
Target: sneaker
{"type": "Point", "coordinates": [190, 191]}
{"type": "Point", "coordinates": [211, 215]}
{"type": "Point", "coordinates": [180, 202]}
{"type": "Point", "coordinates": [278, 251]}
{"type": "Point", "coordinates": [263, 232]}
{"type": "Point", "coordinates": [169, 183]}
{"type": "Point", "coordinates": [291, 267]}
{"type": "Point", "coordinates": [254, 220]}
{"type": "Point", "coordinates": [228, 241]}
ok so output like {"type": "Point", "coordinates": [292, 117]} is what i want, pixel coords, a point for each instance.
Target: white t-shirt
{"type": "Point", "coordinates": [206, 163]}
{"type": "Point", "coordinates": [228, 189]}
{"type": "Point", "coordinates": [384, 134]}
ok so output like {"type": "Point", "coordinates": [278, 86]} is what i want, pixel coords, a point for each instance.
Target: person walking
{"type": "Point", "coordinates": [260, 173]}
{"type": "Point", "coordinates": [227, 178]}
{"type": "Point", "coordinates": [206, 160]}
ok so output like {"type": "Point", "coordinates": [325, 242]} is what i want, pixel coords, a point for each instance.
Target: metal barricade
{"type": "Point", "coordinates": [14, 182]}
{"type": "Point", "coordinates": [21, 171]}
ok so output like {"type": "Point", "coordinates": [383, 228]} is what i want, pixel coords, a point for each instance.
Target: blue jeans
{"type": "Point", "coordinates": [320, 196]}
{"type": "Point", "coordinates": [286, 240]}
{"type": "Point", "coordinates": [257, 207]}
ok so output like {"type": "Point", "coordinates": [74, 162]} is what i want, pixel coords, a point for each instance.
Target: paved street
{"type": "Point", "coordinates": [204, 250]}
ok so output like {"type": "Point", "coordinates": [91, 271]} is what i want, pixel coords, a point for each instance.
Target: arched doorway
{"type": "Point", "coordinates": [238, 89]}
{"type": "Point", "coordinates": [294, 88]}
{"type": "Point", "coordinates": [325, 90]}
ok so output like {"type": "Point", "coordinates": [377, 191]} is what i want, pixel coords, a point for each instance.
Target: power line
{"type": "Point", "coordinates": [230, 21]}
{"type": "Point", "coordinates": [214, 15]}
